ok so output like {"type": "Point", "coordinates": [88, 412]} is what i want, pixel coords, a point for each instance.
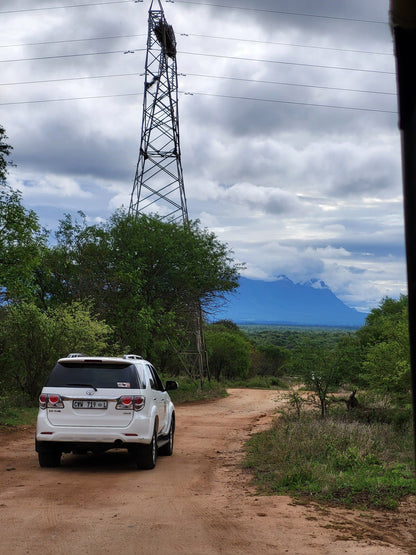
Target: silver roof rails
{"type": "Point", "coordinates": [133, 357]}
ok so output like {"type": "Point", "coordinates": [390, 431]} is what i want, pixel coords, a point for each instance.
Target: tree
{"type": "Point", "coordinates": [269, 360]}
{"type": "Point", "coordinates": [350, 355]}
{"type": "Point", "coordinates": [32, 340]}
{"type": "Point", "coordinates": [21, 243]}
{"type": "Point", "coordinates": [21, 237]}
{"type": "Point", "coordinates": [145, 277]}
{"type": "Point", "coordinates": [5, 150]}
{"type": "Point", "coordinates": [78, 267]}
{"type": "Point", "coordinates": [229, 350]}
{"type": "Point", "coordinates": [375, 329]}
{"type": "Point", "coordinates": [386, 366]}
{"type": "Point", "coordinates": [320, 369]}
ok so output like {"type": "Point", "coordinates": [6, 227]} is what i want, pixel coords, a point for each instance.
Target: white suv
{"type": "Point", "coordinates": [96, 404]}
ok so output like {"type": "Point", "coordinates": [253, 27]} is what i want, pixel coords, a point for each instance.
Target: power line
{"type": "Point", "coordinates": [71, 6]}
{"type": "Point", "coordinates": [287, 84]}
{"type": "Point", "coordinates": [224, 77]}
{"type": "Point", "coordinates": [238, 39]}
{"type": "Point", "coordinates": [70, 40]}
{"type": "Point", "coordinates": [290, 44]}
{"type": "Point", "coordinates": [287, 63]}
{"type": "Point", "coordinates": [210, 95]}
{"type": "Point", "coordinates": [207, 37]}
{"type": "Point", "coordinates": [71, 79]}
{"type": "Point", "coordinates": [200, 54]}
{"type": "Point", "coordinates": [74, 55]}
{"type": "Point", "coordinates": [67, 99]}
{"type": "Point", "coordinates": [282, 12]}
{"type": "Point", "coordinates": [292, 102]}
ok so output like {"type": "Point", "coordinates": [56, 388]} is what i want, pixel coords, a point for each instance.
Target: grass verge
{"type": "Point", "coordinates": [189, 391]}
{"type": "Point", "coordinates": [334, 460]}
{"type": "Point", "coordinates": [11, 417]}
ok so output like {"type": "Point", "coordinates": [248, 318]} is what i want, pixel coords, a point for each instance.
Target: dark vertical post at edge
{"type": "Point", "coordinates": [403, 21]}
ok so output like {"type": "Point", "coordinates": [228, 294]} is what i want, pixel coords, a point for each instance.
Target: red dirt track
{"type": "Point", "coordinates": [198, 501]}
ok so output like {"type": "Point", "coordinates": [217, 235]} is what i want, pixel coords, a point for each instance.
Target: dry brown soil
{"type": "Point", "coordinates": [198, 501]}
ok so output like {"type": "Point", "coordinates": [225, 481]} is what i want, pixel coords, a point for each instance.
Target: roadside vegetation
{"type": "Point", "coordinates": [346, 436]}
{"type": "Point", "coordinates": [125, 285]}
{"type": "Point", "coordinates": [132, 284]}
{"type": "Point", "coordinates": [336, 460]}
{"type": "Point", "coordinates": [191, 391]}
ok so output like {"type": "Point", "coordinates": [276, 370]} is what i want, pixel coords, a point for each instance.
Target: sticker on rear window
{"type": "Point", "coordinates": [123, 384]}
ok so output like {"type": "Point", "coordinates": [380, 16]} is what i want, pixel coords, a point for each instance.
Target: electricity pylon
{"type": "Point", "coordinates": [158, 184]}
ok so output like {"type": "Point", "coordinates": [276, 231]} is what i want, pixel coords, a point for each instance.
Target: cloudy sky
{"type": "Point", "coordinates": [290, 146]}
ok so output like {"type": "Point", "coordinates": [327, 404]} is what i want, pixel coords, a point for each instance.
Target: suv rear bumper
{"type": "Point", "coordinates": [94, 446]}
{"type": "Point", "coordinates": [140, 430]}
{"type": "Point", "coordinates": [78, 446]}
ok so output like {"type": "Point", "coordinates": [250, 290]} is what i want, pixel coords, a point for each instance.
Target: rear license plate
{"type": "Point", "coordinates": [89, 404]}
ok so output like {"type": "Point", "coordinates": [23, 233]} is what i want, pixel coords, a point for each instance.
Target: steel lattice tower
{"type": "Point", "coordinates": [158, 184]}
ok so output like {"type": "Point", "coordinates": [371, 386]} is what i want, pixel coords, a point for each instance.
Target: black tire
{"type": "Point", "coordinates": [147, 454]}
{"type": "Point", "coordinates": [49, 459]}
{"type": "Point", "coordinates": [167, 449]}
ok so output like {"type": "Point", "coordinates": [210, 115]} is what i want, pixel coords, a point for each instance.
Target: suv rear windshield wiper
{"type": "Point", "coordinates": [82, 385]}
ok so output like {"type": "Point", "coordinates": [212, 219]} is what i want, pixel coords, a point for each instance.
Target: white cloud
{"type": "Point", "coordinates": [48, 189]}
{"type": "Point", "coordinates": [293, 188]}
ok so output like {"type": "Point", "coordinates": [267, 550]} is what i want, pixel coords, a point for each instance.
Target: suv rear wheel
{"type": "Point", "coordinates": [49, 459]}
{"type": "Point", "coordinates": [146, 455]}
{"type": "Point", "coordinates": [167, 449]}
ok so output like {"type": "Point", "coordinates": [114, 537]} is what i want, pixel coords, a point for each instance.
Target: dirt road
{"type": "Point", "coordinates": [196, 502]}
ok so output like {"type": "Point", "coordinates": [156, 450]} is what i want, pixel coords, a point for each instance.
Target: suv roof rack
{"type": "Point", "coordinates": [76, 355]}
{"type": "Point", "coordinates": [133, 357]}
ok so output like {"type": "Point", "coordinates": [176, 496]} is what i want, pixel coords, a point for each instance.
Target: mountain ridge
{"type": "Point", "coordinates": [281, 301]}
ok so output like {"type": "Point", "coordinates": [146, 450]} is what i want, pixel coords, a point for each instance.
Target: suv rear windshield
{"type": "Point", "coordinates": [79, 374]}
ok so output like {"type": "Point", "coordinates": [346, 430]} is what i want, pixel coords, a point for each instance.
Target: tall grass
{"type": "Point", "coordinates": [336, 460]}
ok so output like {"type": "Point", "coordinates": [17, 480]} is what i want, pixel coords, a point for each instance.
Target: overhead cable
{"type": "Point", "coordinates": [74, 55]}
{"type": "Point", "coordinates": [260, 10]}
{"type": "Point", "coordinates": [237, 39]}
{"type": "Point", "coordinates": [286, 63]}
{"type": "Point", "coordinates": [261, 81]}
{"type": "Point", "coordinates": [247, 98]}
{"type": "Point", "coordinates": [201, 54]}
{"type": "Point", "coordinates": [290, 44]}
{"type": "Point", "coordinates": [291, 102]}
{"type": "Point", "coordinates": [71, 40]}
{"type": "Point", "coordinates": [222, 77]}
{"type": "Point", "coordinates": [70, 6]}
{"type": "Point", "coordinates": [282, 12]}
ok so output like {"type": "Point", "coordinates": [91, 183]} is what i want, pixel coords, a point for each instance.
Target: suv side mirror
{"type": "Point", "coordinates": [171, 385]}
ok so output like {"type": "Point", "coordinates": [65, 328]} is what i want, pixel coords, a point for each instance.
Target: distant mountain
{"type": "Point", "coordinates": [282, 301]}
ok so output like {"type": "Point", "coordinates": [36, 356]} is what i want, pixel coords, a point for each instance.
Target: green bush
{"type": "Point", "coordinates": [32, 340]}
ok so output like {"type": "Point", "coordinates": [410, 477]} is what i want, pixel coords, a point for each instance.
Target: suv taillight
{"type": "Point", "coordinates": [138, 402]}
{"type": "Point", "coordinates": [51, 401]}
{"type": "Point", "coordinates": [128, 402]}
